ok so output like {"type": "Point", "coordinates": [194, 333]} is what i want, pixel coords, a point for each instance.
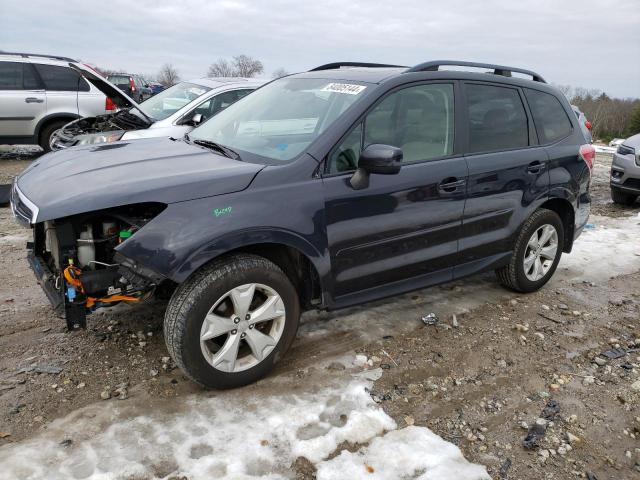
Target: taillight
{"type": "Point", "coordinates": [132, 85]}
{"type": "Point", "coordinates": [587, 124]}
{"type": "Point", "coordinates": [588, 154]}
{"type": "Point", "coordinates": [109, 105]}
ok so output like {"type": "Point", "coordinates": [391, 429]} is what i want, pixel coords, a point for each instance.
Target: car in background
{"type": "Point", "coordinates": [585, 125]}
{"type": "Point", "coordinates": [41, 93]}
{"type": "Point", "coordinates": [625, 172]}
{"type": "Point", "coordinates": [156, 87]}
{"type": "Point", "coordinates": [171, 113]}
{"type": "Point", "coordinates": [616, 142]}
{"type": "Point", "coordinates": [133, 85]}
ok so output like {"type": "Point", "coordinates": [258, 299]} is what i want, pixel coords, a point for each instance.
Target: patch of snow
{"type": "Point", "coordinates": [610, 247]}
{"type": "Point", "coordinates": [604, 148]}
{"type": "Point", "coordinates": [244, 434]}
{"type": "Point", "coordinates": [413, 452]}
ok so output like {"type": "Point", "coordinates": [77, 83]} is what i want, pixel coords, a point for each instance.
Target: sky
{"type": "Point", "coordinates": [583, 43]}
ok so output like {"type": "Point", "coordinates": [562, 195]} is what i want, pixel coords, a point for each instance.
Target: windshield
{"type": "Point", "coordinates": [281, 119]}
{"type": "Point", "coordinates": [168, 102]}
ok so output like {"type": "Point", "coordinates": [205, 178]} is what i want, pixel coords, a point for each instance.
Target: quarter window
{"type": "Point", "coordinates": [497, 119]}
{"type": "Point", "coordinates": [62, 79]}
{"type": "Point", "coordinates": [419, 120]}
{"type": "Point", "coordinates": [550, 119]}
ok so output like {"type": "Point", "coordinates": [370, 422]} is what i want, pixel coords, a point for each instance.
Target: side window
{"type": "Point", "coordinates": [11, 76]}
{"type": "Point", "coordinates": [419, 120]}
{"type": "Point", "coordinates": [218, 103]}
{"type": "Point", "coordinates": [29, 79]}
{"type": "Point", "coordinates": [62, 79]}
{"type": "Point", "coordinates": [549, 117]}
{"type": "Point", "coordinates": [497, 119]}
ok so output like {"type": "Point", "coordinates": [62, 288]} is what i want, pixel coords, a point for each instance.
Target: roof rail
{"type": "Point", "coordinates": [38, 55]}
{"type": "Point", "coordinates": [434, 65]}
{"type": "Point", "coordinates": [335, 65]}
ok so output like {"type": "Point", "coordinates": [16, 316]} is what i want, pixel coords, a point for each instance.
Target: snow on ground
{"type": "Point", "coordinates": [241, 434]}
{"type": "Point", "coordinates": [604, 148]}
{"type": "Point", "coordinates": [609, 247]}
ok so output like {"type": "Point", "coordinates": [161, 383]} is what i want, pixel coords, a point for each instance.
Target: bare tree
{"type": "Point", "coordinates": [221, 68]}
{"type": "Point", "coordinates": [247, 66]}
{"type": "Point", "coordinates": [240, 66]}
{"type": "Point", "coordinates": [168, 75]}
{"type": "Point", "coordinates": [280, 72]}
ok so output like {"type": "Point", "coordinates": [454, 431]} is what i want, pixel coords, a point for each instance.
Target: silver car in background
{"type": "Point", "coordinates": [171, 113]}
{"type": "Point", "coordinates": [625, 172]}
{"type": "Point", "coordinates": [41, 93]}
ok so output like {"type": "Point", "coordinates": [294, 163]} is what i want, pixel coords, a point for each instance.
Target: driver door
{"type": "Point", "coordinates": [401, 232]}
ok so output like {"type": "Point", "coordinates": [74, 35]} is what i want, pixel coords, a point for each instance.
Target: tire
{"type": "Point", "coordinates": [47, 132]}
{"type": "Point", "coordinates": [513, 275]}
{"type": "Point", "coordinates": [216, 284]}
{"type": "Point", "coordinates": [622, 198]}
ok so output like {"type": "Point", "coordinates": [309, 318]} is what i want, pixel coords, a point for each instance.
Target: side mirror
{"type": "Point", "coordinates": [196, 119]}
{"type": "Point", "coordinates": [376, 158]}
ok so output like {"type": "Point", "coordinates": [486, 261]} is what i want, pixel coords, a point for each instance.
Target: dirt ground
{"type": "Point", "coordinates": [480, 382]}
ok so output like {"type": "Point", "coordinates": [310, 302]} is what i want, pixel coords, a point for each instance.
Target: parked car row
{"type": "Point", "coordinates": [320, 190]}
{"type": "Point", "coordinates": [40, 94]}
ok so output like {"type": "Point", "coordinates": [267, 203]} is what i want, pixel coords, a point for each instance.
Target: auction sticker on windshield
{"type": "Point", "coordinates": [347, 88]}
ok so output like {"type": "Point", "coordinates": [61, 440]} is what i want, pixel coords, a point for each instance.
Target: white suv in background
{"type": "Point", "coordinates": [41, 93]}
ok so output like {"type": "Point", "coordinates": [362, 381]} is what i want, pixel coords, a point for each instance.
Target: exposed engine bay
{"type": "Point", "coordinates": [119, 122]}
{"type": "Point", "coordinates": [79, 266]}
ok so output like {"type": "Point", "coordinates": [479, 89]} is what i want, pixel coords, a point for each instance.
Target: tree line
{"type": "Point", "coordinates": [609, 117]}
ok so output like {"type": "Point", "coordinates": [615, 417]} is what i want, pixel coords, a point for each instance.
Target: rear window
{"type": "Point", "coordinates": [497, 119]}
{"type": "Point", "coordinates": [119, 80]}
{"type": "Point", "coordinates": [17, 76]}
{"type": "Point", "coordinates": [550, 119]}
{"type": "Point", "coordinates": [62, 79]}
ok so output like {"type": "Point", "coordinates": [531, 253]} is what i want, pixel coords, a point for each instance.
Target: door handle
{"type": "Point", "coordinates": [535, 167]}
{"type": "Point", "coordinates": [33, 100]}
{"type": "Point", "coordinates": [449, 185]}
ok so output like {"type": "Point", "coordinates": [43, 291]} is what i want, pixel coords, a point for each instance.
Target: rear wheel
{"type": "Point", "coordinates": [622, 198]}
{"type": "Point", "coordinates": [232, 321]}
{"type": "Point", "coordinates": [536, 253]}
{"type": "Point", "coordinates": [47, 134]}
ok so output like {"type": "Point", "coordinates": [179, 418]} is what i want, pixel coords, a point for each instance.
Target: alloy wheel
{"type": "Point", "coordinates": [242, 328]}
{"type": "Point", "coordinates": [541, 252]}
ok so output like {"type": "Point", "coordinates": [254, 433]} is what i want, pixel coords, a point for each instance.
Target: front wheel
{"type": "Point", "coordinates": [536, 253]}
{"type": "Point", "coordinates": [232, 321]}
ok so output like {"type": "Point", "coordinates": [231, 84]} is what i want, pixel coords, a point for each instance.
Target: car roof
{"type": "Point", "coordinates": [218, 82]}
{"type": "Point", "coordinates": [35, 58]}
{"type": "Point", "coordinates": [456, 69]}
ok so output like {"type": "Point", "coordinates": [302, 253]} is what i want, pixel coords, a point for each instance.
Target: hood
{"type": "Point", "coordinates": [85, 179]}
{"type": "Point", "coordinates": [118, 97]}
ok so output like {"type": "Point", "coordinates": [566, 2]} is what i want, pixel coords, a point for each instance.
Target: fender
{"type": "Point", "coordinates": [246, 238]}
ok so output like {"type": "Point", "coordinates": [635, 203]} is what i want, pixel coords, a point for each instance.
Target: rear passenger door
{"type": "Point", "coordinates": [508, 172]}
{"type": "Point", "coordinates": [62, 85]}
{"type": "Point", "coordinates": [23, 101]}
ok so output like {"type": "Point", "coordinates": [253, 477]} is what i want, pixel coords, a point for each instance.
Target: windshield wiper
{"type": "Point", "coordinates": [226, 151]}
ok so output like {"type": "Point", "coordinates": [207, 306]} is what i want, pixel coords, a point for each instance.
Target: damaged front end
{"type": "Point", "coordinates": [99, 129]}
{"type": "Point", "coordinates": [76, 261]}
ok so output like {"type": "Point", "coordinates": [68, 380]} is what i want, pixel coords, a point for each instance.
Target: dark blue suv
{"type": "Point", "coordinates": [320, 190]}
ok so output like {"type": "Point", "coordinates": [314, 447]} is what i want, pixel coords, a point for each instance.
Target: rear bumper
{"type": "Point", "coordinates": [47, 281]}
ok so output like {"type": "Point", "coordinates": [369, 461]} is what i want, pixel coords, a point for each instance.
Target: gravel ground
{"type": "Point", "coordinates": [481, 384]}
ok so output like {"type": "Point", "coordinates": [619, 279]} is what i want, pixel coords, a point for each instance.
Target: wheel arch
{"type": "Point", "coordinates": [567, 215]}
{"type": "Point", "coordinates": [54, 117]}
{"type": "Point", "coordinates": [299, 260]}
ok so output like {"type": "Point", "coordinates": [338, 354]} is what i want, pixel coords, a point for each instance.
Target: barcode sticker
{"type": "Point", "coordinates": [349, 89]}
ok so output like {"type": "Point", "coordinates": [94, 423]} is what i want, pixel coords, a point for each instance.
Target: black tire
{"type": "Point", "coordinates": [622, 198]}
{"type": "Point", "coordinates": [513, 275]}
{"type": "Point", "coordinates": [47, 132]}
{"type": "Point", "coordinates": [192, 300]}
